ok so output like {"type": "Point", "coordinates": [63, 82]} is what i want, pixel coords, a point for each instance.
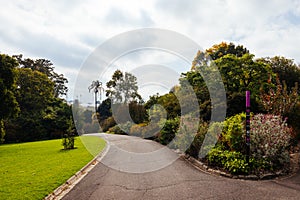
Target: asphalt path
{"type": "Point", "coordinates": [134, 168]}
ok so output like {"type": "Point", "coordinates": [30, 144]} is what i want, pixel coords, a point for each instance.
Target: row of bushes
{"type": "Point", "coordinates": [270, 140]}
{"type": "Point", "coordinates": [225, 144]}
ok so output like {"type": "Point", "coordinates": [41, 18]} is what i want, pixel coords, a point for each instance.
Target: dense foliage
{"type": "Point", "coordinates": [270, 140]}
{"type": "Point", "coordinates": [274, 92]}
{"type": "Point", "coordinates": [123, 104]}
{"type": "Point", "coordinates": [31, 107]}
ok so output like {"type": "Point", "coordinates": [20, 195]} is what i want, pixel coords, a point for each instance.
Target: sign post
{"type": "Point", "coordinates": [247, 126]}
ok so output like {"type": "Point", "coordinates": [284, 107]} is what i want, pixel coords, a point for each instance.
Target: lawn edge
{"type": "Point", "coordinates": [65, 188]}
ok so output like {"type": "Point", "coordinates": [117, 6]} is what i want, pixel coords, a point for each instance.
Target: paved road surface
{"type": "Point", "coordinates": [112, 179]}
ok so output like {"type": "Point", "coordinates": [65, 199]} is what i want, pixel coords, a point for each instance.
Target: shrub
{"type": "Point", "coordinates": [233, 134]}
{"type": "Point", "coordinates": [91, 127]}
{"type": "Point", "coordinates": [144, 130]}
{"type": "Point", "coordinates": [186, 132]}
{"type": "Point", "coordinates": [294, 119]}
{"type": "Point", "coordinates": [68, 140]}
{"type": "Point", "coordinates": [107, 123]}
{"type": "Point", "coordinates": [270, 138]}
{"type": "Point", "coordinates": [232, 161]}
{"type": "Point", "coordinates": [168, 132]}
{"type": "Point", "coordinates": [194, 148]}
{"type": "Point", "coordinates": [151, 131]}
{"type": "Point", "coordinates": [279, 101]}
{"type": "Point", "coordinates": [136, 130]}
{"type": "Point", "coordinates": [125, 127]}
{"type": "Point", "coordinates": [116, 130]}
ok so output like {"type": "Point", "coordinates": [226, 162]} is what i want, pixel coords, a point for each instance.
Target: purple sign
{"type": "Point", "coordinates": [247, 125]}
{"type": "Point", "coordinates": [247, 98]}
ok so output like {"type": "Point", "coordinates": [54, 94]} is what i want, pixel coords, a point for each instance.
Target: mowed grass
{"type": "Point", "coordinates": [33, 170]}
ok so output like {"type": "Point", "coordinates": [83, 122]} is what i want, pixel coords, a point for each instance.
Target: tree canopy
{"type": "Point", "coordinates": [30, 104]}
{"type": "Point", "coordinates": [222, 49]}
{"type": "Point", "coordinates": [46, 67]}
{"type": "Point", "coordinates": [122, 88]}
{"type": "Point", "coordinates": [286, 70]}
{"type": "Point", "coordinates": [8, 103]}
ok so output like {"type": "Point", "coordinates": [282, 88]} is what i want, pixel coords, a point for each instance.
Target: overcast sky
{"type": "Point", "coordinates": [67, 32]}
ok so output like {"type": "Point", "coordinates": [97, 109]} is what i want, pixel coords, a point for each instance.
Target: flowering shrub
{"type": "Point", "coordinates": [270, 138]}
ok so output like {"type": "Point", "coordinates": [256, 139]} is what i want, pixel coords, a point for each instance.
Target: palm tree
{"type": "Point", "coordinates": [97, 86]}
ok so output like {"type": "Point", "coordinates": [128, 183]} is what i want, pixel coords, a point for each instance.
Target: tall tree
{"type": "Point", "coordinates": [242, 73]}
{"type": "Point", "coordinates": [35, 93]}
{"type": "Point", "coordinates": [122, 88]}
{"type": "Point", "coordinates": [239, 71]}
{"type": "Point", "coordinates": [46, 67]}
{"type": "Point", "coordinates": [97, 87]}
{"type": "Point", "coordinates": [8, 104]}
{"type": "Point", "coordinates": [286, 69]}
{"type": "Point", "coordinates": [104, 110]}
{"type": "Point", "coordinates": [222, 49]}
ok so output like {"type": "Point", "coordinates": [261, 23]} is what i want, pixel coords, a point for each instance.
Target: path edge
{"type": "Point", "coordinates": [65, 188]}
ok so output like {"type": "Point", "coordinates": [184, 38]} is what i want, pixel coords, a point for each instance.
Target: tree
{"type": "Point", "coordinates": [286, 69]}
{"type": "Point", "coordinates": [242, 73]}
{"type": "Point", "coordinates": [35, 93]}
{"type": "Point", "coordinates": [104, 110]}
{"type": "Point", "coordinates": [8, 104]}
{"type": "Point", "coordinates": [46, 67]}
{"type": "Point", "coordinates": [97, 86]}
{"type": "Point", "coordinates": [137, 112]}
{"type": "Point", "coordinates": [122, 88]}
{"type": "Point", "coordinates": [56, 118]}
{"type": "Point", "coordinates": [33, 88]}
{"type": "Point", "coordinates": [279, 101]}
{"type": "Point", "coordinates": [68, 140]}
{"type": "Point", "coordinates": [171, 105]}
{"type": "Point", "coordinates": [222, 49]}
{"type": "Point", "coordinates": [239, 71]}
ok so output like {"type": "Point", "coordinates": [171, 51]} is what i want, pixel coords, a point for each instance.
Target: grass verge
{"type": "Point", "coordinates": [33, 170]}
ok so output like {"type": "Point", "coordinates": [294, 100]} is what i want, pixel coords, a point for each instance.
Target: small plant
{"type": "Point", "coordinates": [68, 140]}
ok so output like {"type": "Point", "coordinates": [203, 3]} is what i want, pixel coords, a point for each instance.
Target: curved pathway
{"type": "Point", "coordinates": [123, 174]}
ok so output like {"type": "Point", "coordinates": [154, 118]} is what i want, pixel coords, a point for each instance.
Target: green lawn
{"type": "Point", "coordinates": [33, 170]}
